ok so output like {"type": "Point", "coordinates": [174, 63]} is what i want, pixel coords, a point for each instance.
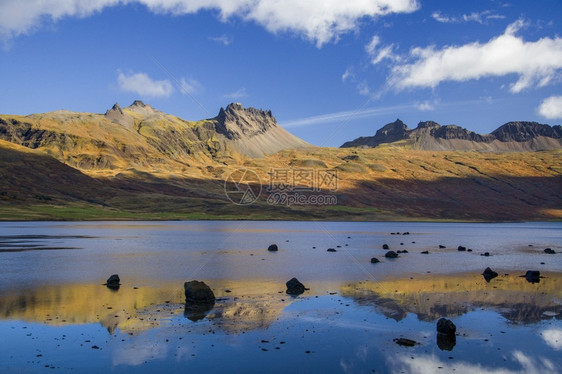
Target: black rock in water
{"type": "Point", "coordinates": [294, 287]}
{"type": "Point", "coordinates": [461, 248]}
{"type": "Point", "coordinates": [549, 251]}
{"type": "Point", "coordinates": [385, 246]}
{"type": "Point", "coordinates": [113, 281]}
{"type": "Point", "coordinates": [197, 292]}
{"type": "Point", "coordinates": [375, 260]}
{"type": "Point", "coordinates": [405, 342]}
{"type": "Point", "coordinates": [331, 250]}
{"type": "Point", "coordinates": [391, 254]}
{"type": "Point", "coordinates": [446, 327]}
{"type": "Point", "coordinates": [489, 274]}
{"type": "Point", "coordinates": [442, 246]}
{"type": "Point", "coordinates": [533, 276]}
{"type": "Point", "coordinates": [273, 248]}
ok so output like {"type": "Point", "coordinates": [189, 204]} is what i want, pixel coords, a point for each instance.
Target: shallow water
{"type": "Point", "coordinates": [54, 307]}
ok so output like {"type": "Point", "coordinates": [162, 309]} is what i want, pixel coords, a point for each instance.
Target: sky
{"type": "Point", "coordinates": [330, 70]}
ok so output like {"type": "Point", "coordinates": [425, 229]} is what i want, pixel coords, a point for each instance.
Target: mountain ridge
{"type": "Point", "coordinates": [515, 136]}
{"type": "Point", "coordinates": [140, 136]}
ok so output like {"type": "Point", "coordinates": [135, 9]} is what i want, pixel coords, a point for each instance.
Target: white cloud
{"type": "Point", "coordinates": [238, 94]}
{"type": "Point", "coordinates": [348, 74]}
{"type": "Point", "coordinates": [425, 106]}
{"type": "Point", "coordinates": [551, 108]}
{"type": "Point", "coordinates": [191, 86]}
{"type": "Point", "coordinates": [481, 17]}
{"type": "Point", "coordinates": [535, 63]}
{"type": "Point", "coordinates": [319, 21]}
{"type": "Point", "coordinates": [223, 39]}
{"type": "Point", "coordinates": [142, 84]}
{"type": "Point", "coordinates": [379, 54]}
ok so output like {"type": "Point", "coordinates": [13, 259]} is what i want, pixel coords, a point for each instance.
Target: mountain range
{"type": "Point", "coordinates": [429, 135]}
{"type": "Point", "coordinates": [140, 163]}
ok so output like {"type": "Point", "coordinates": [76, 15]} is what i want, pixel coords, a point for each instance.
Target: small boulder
{"type": "Point", "coordinates": [273, 248]}
{"type": "Point", "coordinates": [442, 246]}
{"type": "Point", "coordinates": [198, 293]}
{"type": "Point", "coordinates": [405, 342]}
{"type": "Point", "coordinates": [294, 287]}
{"type": "Point", "coordinates": [375, 260]}
{"type": "Point", "coordinates": [113, 281]}
{"type": "Point", "coordinates": [461, 248]}
{"type": "Point", "coordinates": [385, 246]}
{"type": "Point", "coordinates": [550, 251]}
{"type": "Point", "coordinates": [391, 254]}
{"type": "Point", "coordinates": [330, 250]}
{"type": "Point", "coordinates": [533, 276]}
{"type": "Point", "coordinates": [425, 252]}
{"type": "Point", "coordinates": [489, 274]}
{"type": "Point", "coordinates": [446, 327]}
{"type": "Point", "coordinates": [485, 254]}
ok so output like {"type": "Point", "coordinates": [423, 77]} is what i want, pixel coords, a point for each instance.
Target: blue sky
{"type": "Point", "coordinates": [330, 70]}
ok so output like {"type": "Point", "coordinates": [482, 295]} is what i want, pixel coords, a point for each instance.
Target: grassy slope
{"type": "Point", "coordinates": [373, 184]}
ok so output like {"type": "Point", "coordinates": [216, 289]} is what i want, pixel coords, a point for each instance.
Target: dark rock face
{"type": "Point", "coordinates": [198, 293]}
{"type": "Point", "coordinates": [375, 260]}
{"type": "Point", "coordinates": [533, 276]}
{"type": "Point", "coordinates": [294, 287]}
{"type": "Point", "coordinates": [113, 281]}
{"type": "Point", "coordinates": [391, 254]}
{"type": "Point", "coordinates": [525, 131]}
{"type": "Point", "coordinates": [235, 121]}
{"type": "Point", "coordinates": [273, 248]}
{"type": "Point", "coordinates": [489, 274]}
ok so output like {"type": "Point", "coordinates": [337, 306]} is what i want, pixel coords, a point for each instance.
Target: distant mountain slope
{"type": "Point", "coordinates": [429, 135]}
{"type": "Point", "coordinates": [142, 137]}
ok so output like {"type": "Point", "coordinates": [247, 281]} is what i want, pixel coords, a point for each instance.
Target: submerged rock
{"type": "Point", "coordinates": [273, 248]}
{"type": "Point", "coordinates": [489, 274]}
{"type": "Point", "coordinates": [197, 292]}
{"type": "Point", "coordinates": [375, 260]}
{"type": "Point", "coordinates": [391, 254]}
{"type": "Point", "coordinates": [405, 342]}
{"type": "Point", "coordinates": [533, 276]}
{"type": "Point", "coordinates": [113, 282]}
{"type": "Point", "coordinates": [294, 287]}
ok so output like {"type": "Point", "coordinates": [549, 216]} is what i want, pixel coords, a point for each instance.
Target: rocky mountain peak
{"type": "Point", "coordinates": [524, 131]}
{"type": "Point", "coordinates": [428, 125]}
{"type": "Point", "coordinates": [138, 103]}
{"type": "Point", "coordinates": [236, 121]}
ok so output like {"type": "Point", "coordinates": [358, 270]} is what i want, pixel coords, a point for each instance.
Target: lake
{"type": "Point", "coordinates": [56, 313]}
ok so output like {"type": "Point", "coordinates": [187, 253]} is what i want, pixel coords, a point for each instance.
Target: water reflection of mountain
{"type": "Point", "coordinates": [432, 297]}
{"type": "Point", "coordinates": [251, 305]}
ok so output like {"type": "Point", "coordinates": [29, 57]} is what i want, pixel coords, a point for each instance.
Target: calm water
{"type": "Point", "coordinates": [56, 313]}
